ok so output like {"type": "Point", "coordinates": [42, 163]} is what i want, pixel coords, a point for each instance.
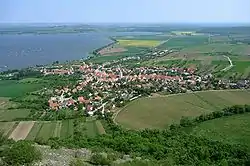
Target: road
{"type": "Point", "coordinates": [230, 66]}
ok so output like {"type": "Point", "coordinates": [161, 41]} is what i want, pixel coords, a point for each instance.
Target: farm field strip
{"type": "Point", "coordinates": [70, 127]}
{"type": "Point", "coordinates": [57, 130]}
{"type": "Point", "coordinates": [46, 130]}
{"type": "Point", "coordinates": [139, 43]}
{"type": "Point", "coordinates": [34, 131]}
{"type": "Point", "coordinates": [7, 127]}
{"type": "Point", "coordinates": [91, 128]}
{"type": "Point", "coordinates": [22, 130]}
{"type": "Point", "coordinates": [159, 112]}
{"type": "Point", "coordinates": [12, 114]}
{"type": "Point", "coordinates": [67, 128]}
{"type": "Point", "coordinates": [100, 128]}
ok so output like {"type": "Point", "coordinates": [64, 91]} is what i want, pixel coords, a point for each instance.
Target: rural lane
{"type": "Point", "coordinates": [230, 66]}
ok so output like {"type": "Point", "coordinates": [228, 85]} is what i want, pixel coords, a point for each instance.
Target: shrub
{"type": "Point", "coordinates": [100, 159]}
{"type": "Point", "coordinates": [20, 153]}
{"type": "Point", "coordinates": [77, 162]}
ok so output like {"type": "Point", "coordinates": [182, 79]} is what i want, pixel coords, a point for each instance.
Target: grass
{"type": "Point", "coordinates": [139, 43]}
{"type": "Point", "coordinates": [184, 42]}
{"type": "Point", "coordinates": [234, 129]}
{"type": "Point", "coordinates": [67, 128]}
{"type": "Point", "coordinates": [57, 130]}
{"type": "Point", "coordinates": [11, 88]}
{"type": "Point", "coordinates": [91, 128]}
{"type": "Point", "coordinates": [100, 128]}
{"type": "Point", "coordinates": [34, 131]}
{"type": "Point", "coordinates": [7, 127]}
{"type": "Point", "coordinates": [29, 80]}
{"type": "Point", "coordinates": [159, 112]}
{"type": "Point", "coordinates": [237, 49]}
{"type": "Point", "coordinates": [12, 114]}
{"type": "Point", "coordinates": [46, 130]}
{"type": "Point", "coordinates": [9, 114]}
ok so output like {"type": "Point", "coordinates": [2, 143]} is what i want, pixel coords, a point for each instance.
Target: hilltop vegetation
{"type": "Point", "coordinates": [233, 129]}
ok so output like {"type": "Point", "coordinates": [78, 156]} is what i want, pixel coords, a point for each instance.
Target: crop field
{"type": "Point", "coordinates": [7, 127]}
{"type": "Point", "coordinates": [234, 129]}
{"type": "Point", "coordinates": [22, 130]}
{"type": "Point", "coordinates": [7, 114]}
{"type": "Point", "coordinates": [29, 80]}
{"type": "Point", "coordinates": [139, 43]}
{"type": "Point", "coordinates": [159, 112]}
{"type": "Point", "coordinates": [10, 88]}
{"type": "Point", "coordinates": [99, 127]}
{"type": "Point", "coordinates": [237, 49]}
{"type": "Point", "coordinates": [160, 37]}
{"type": "Point", "coordinates": [184, 42]}
{"type": "Point", "coordinates": [67, 128]}
{"type": "Point", "coordinates": [43, 130]}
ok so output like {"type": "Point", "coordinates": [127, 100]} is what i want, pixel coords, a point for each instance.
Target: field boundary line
{"type": "Point", "coordinates": [197, 106]}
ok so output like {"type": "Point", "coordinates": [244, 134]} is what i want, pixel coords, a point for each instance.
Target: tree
{"type": "Point", "coordinates": [20, 153]}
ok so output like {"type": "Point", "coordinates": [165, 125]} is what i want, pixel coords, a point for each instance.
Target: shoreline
{"type": "Point", "coordinates": [95, 52]}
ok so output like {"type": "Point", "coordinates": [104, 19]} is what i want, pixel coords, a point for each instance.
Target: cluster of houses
{"type": "Point", "coordinates": [103, 88]}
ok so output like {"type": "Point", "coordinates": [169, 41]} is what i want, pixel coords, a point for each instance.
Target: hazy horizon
{"type": "Point", "coordinates": [125, 11]}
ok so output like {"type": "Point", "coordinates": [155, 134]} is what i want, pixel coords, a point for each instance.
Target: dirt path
{"type": "Point", "coordinates": [230, 66]}
{"type": "Point", "coordinates": [164, 41]}
{"type": "Point", "coordinates": [22, 130]}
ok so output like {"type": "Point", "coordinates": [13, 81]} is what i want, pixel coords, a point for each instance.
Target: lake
{"type": "Point", "coordinates": [19, 51]}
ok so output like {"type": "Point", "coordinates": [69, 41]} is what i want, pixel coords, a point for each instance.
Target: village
{"type": "Point", "coordinates": [103, 88]}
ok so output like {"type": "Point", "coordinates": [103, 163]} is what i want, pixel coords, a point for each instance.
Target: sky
{"type": "Point", "coordinates": [125, 11]}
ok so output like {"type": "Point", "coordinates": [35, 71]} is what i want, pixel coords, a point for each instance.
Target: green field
{"type": "Point", "coordinates": [11, 88]}
{"type": "Point", "coordinates": [234, 129]}
{"type": "Point", "coordinates": [237, 49]}
{"type": "Point", "coordinates": [9, 114]}
{"type": "Point", "coordinates": [100, 127]}
{"type": "Point", "coordinates": [7, 127]}
{"type": "Point", "coordinates": [47, 130]}
{"type": "Point", "coordinates": [35, 131]}
{"type": "Point", "coordinates": [184, 42]}
{"type": "Point", "coordinates": [67, 128]}
{"type": "Point", "coordinates": [43, 130]}
{"type": "Point", "coordinates": [159, 112]}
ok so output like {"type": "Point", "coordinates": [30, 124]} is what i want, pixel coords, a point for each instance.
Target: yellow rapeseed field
{"type": "Point", "coordinates": [139, 43]}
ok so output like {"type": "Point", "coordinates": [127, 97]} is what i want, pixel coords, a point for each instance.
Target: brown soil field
{"type": "Point", "coordinates": [110, 50]}
{"type": "Point", "coordinates": [22, 130]}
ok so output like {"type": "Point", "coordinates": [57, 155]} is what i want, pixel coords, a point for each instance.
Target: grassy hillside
{"type": "Point", "coordinates": [159, 112]}
{"type": "Point", "coordinates": [234, 129]}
